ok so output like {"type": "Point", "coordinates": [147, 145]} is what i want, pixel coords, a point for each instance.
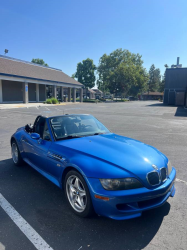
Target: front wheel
{"type": "Point", "coordinates": [16, 156]}
{"type": "Point", "coordinates": [77, 194]}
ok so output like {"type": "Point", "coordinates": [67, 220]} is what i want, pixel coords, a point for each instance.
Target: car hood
{"type": "Point", "coordinates": [125, 153]}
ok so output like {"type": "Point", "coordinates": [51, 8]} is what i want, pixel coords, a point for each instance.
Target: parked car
{"type": "Point", "coordinates": [132, 98]}
{"type": "Point", "coordinates": [107, 97]}
{"type": "Point", "coordinates": [100, 171]}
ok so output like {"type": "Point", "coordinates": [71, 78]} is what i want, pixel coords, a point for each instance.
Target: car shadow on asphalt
{"type": "Point", "coordinates": [180, 111]}
{"type": "Point", "coordinates": [43, 206]}
{"type": "Point", "coordinates": [159, 104]}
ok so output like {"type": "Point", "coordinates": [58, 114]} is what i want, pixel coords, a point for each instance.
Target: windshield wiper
{"type": "Point", "coordinates": [98, 133]}
{"type": "Point", "coordinates": [76, 136]}
{"type": "Point", "coordinates": [69, 137]}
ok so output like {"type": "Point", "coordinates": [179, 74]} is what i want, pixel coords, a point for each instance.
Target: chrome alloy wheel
{"type": "Point", "coordinates": [76, 193]}
{"type": "Point", "coordinates": [15, 153]}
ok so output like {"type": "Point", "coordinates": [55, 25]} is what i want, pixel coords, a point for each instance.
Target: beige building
{"type": "Point", "coordinates": [22, 81]}
{"type": "Point", "coordinates": [90, 93]}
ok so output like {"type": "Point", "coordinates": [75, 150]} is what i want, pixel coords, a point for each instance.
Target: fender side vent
{"type": "Point", "coordinates": [54, 156]}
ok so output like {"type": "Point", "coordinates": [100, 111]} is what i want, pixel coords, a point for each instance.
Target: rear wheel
{"type": "Point", "coordinates": [77, 194]}
{"type": "Point", "coordinates": [16, 156]}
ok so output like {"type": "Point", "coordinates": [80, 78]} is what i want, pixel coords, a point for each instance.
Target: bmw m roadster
{"type": "Point", "coordinates": [98, 170]}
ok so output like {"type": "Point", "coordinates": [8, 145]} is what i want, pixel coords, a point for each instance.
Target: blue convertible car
{"type": "Point", "coordinates": [100, 171]}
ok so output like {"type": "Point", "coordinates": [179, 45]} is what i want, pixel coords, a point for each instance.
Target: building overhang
{"type": "Point", "coordinates": [18, 78]}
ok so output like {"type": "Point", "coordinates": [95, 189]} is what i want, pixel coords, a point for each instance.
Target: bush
{"type": "Point", "coordinates": [91, 100]}
{"type": "Point", "coordinates": [102, 99]}
{"type": "Point", "coordinates": [52, 101]}
{"type": "Point", "coordinates": [123, 100]}
{"type": "Point", "coordinates": [88, 100]}
{"type": "Point", "coordinates": [48, 101]}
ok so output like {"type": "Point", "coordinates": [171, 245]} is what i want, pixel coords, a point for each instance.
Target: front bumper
{"type": "Point", "coordinates": [127, 204]}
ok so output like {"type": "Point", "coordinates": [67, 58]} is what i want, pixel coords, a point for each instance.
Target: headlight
{"type": "Point", "coordinates": [120, 184]}
{"type": "Point", "coordinates": [169, 167]}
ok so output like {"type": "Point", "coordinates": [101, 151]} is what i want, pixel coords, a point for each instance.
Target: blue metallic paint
{"type": "Point", "coordinates": [130, 198]}
{"type": "Point", "coordinates": [101, 156]}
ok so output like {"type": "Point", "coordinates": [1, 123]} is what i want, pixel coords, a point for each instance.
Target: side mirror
{"type": "Point", "coordinates": [35, 136]}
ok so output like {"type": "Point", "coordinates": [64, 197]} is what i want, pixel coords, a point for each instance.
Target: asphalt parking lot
{"type": "Point", "coordinates": [43, 205]}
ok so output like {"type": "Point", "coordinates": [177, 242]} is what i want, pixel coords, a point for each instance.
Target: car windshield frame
{"type": "Point", "coordinates": [76, 121]}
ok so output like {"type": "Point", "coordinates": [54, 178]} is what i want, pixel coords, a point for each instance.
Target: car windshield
{"type": "Point", "coordinates": [72, 126]}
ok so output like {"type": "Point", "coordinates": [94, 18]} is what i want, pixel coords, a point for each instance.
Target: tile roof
{"type": "Point", "coordinates": [91, 91]}
{"type": "Point", "coordinates": [97, 91]}
{"type": "Point", "coordinates": [15, 67]}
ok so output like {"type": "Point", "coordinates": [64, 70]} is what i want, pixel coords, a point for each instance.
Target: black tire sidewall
{"type": "Point", "coordinates": [89, 211]}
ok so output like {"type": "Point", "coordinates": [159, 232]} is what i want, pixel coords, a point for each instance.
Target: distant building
{"type": "Point", "coordinates": [98, 93]}
{"type": "Point", "coordinates": [175, 91]}
{"type": "Point", "coordinates": [152, 96]}
{"type": "Point", "coordinates": [90, 93]}
{"type": "Point", "coordinates": [22, 81]}
{"type": "Point", "coordinates": [175, 86]}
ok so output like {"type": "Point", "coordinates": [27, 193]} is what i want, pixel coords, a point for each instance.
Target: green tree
{"type": "Point", "coordinates": [122, 72]}
{"type": "Point", "coordinates": [85, 73]}
{"type": "Point", "coordinates": [154, 79]}
{"type": "Point", "coordinates": [39, 61]}
{"type": "Point", "coordinates": [73, 76]}
{"type": "Point", "coordinates": [162, 83]}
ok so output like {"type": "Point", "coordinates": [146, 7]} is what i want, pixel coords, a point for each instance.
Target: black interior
{"type": "Point", "coordinates": [39, 126]}
{"type": "Point", "coordinates": [29, 128]}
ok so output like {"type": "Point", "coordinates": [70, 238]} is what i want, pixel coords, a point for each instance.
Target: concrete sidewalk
{"type": "Point", "coordinates": [28, 105]}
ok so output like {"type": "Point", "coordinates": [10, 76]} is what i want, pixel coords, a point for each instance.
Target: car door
{"type": "Point", "coordinates": [36, 150]}
{"type": "Point", "coordinates": [53, 160]}
{"type": "Point", "coordinates": [41, 148]}
{"type": "Point", "coordinates": [28, 143]}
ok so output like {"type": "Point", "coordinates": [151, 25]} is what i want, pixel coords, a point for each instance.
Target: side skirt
{"type": "Point", "coordinates": [48, 176]}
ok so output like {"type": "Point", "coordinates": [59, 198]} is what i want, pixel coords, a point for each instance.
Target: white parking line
{"type": "Point", "coordinates": [29, 232]}
{"type": "Point", "coordinates": [185, 182]}
{"type": "Point", "coordinates": [36, 107]}
{"type": "Point", "coordinates": [47, 108]}
{"type": "Point", "coordinates": [58, 109]}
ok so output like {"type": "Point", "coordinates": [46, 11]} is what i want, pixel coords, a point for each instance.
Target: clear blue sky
{"type": "Point", "coordinates": [65, 32]}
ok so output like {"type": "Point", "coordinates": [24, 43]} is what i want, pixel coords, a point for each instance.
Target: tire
{"type": "Point", "coordinates": [77, 194]}
{"type": "Point", "coordinates": [16, 156]}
